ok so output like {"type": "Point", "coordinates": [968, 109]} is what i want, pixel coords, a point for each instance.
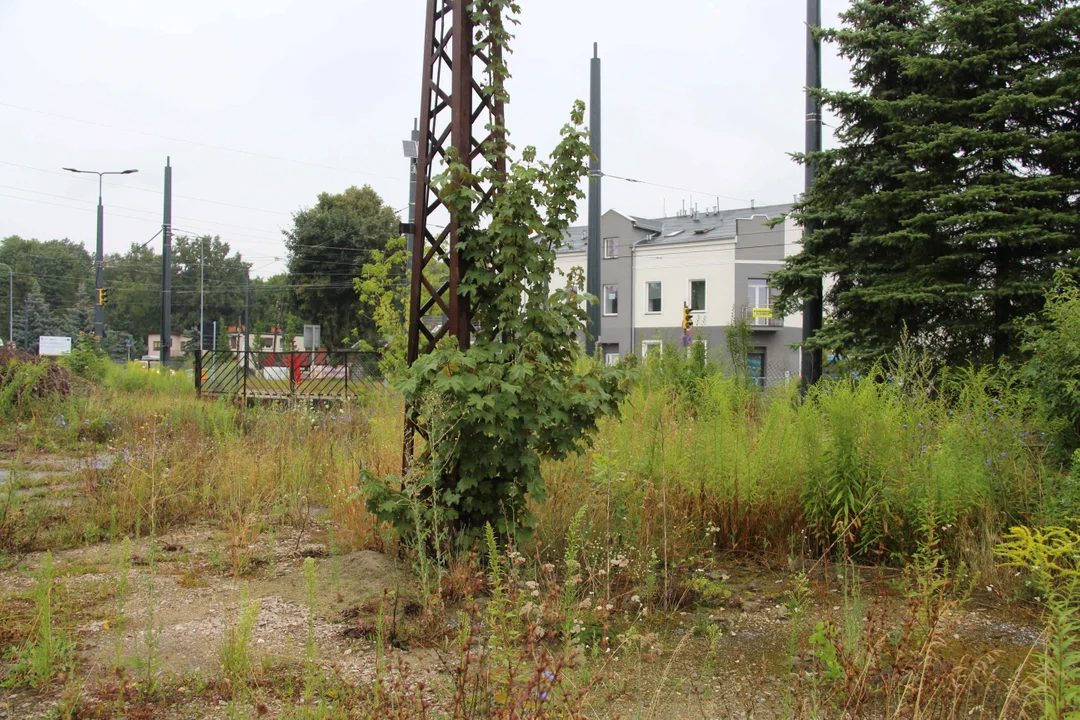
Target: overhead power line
{"type": "Point", "coordinates": [151, 190]}
{"type": "Point", "coordinates": [201, 144]}
{"type": "Point", "coordinates": [672, 187]}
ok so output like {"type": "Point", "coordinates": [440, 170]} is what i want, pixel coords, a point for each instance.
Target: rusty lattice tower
{"type": "Point", "coordinates": [456, 111]}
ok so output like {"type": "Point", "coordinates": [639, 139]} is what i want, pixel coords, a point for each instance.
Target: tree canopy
{"type": "Point", "coordinates": [60, 267]}
{"type": "Point", "coordinates": [327, 247]}
{"type": "Point", "coordinates": [953, 197]}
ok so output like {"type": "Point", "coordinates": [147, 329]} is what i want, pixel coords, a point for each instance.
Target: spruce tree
{"type": "Point", "coordinates": [37, 319]}
{"type": "Point", "coordinates": [952, 199]}
{"type": "Point", "coordinates": [79, 318]}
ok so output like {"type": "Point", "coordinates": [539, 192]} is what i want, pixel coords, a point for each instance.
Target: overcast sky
{"type": "Point", "coordinates": [262, 104]}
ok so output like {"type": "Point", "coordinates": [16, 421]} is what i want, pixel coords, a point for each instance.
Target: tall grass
{"type": "Point", "coordinates": [178, 459]}
{"type": "Point", "coordinates": [698, 461]}
{"type": "Point", "coordinates": [858, 466]}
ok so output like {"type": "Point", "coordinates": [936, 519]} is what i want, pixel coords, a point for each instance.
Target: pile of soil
{"type": "Point", "coordinates": [23, 376]}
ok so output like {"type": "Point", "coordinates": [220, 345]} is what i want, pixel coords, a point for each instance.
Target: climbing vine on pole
{"type": "Point", "coordinates": [523, 391]}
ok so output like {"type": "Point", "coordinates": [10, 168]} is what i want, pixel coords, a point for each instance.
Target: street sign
{"type": "Point", "coordinates": [53, 345]}
{"type": "Point", "coordinates": [762, 313]}
{"type": "Point", "coordinates": [687, 340]}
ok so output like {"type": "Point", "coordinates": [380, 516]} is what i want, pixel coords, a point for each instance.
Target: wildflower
{"type": "Point", "coordinates": [635, 599]}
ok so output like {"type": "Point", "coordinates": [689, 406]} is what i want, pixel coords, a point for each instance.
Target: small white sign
{"type": "Point", "coordinates": [53, 345]}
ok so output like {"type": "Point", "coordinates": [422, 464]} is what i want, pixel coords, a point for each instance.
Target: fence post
{"type": "Point", "coordinates": [291, 365]}
{"type": "Point", "coordinates": [198, 373]}
{"type": "Point", "coordinates": [347, 356]}
{"type": "Point", "coordinates": [247, 359]}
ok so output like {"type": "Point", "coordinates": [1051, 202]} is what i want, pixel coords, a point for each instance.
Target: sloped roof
{"type": "Point", "coordinates": [577, 239]}
{"type": "Point", "coordinates": [681, 229]}
{"type": "Point", "coordinates": [706, 226]}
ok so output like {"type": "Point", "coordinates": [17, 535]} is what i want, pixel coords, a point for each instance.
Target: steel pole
{"type": "Point", "coordinates": [99, 282]}
{"type": "Point", "coordinates": [166, 269]}
{"type": "Point", "coordinates": [813, 307]}
{"type": "Point", "coordinates": [247, 317]}
{"type": "Point", "coordinates": [592, 272]}
{"type": "Point", "coordinates": [202, 278]}
{"type": "Point", "coordinates": [11, 302]}
{"type": "Point", "coordinates": [412, 185]}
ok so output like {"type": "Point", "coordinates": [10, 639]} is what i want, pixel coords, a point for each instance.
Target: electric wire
{"type": "Point", "coordinates": [202, 144]}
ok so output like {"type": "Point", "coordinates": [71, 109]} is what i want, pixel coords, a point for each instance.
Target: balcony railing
{"type": "Point", "coordinates": [755, 321]}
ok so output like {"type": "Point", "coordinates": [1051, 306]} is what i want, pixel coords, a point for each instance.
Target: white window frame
{"type": "Point", "coordinates": [612, 254]}
{"type": "Point", "coordinates": [648, 300]}
{"type": "Point", "coordinates": [604, 299]}
{"type": "Point", "coordinates": [768, 299]}
{"type": "Point", "coordinates": [690, 295]}
{"type": "Point", "coordinates": [646, 344]}
{"type": "Point", "coordinates": [705, 342]}
{"type": "Point", "coordinates": [611, 358]}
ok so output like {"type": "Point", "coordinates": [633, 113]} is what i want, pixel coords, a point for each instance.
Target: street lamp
{"type": "Point", "coordinates": [11, 301]}
{"type": "Point", "coordinates": [99, 309]}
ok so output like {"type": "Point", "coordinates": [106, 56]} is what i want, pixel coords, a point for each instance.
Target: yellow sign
{"type": "Point", "coordinates": [763, 312]}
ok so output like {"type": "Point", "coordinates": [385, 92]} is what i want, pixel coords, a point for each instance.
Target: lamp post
{"type": "Point", "coordinates": [99, 308]}
{"type": "Point", "coordinates": [11, 302]}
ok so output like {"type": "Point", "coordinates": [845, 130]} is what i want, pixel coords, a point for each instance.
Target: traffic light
{"type": "Point", "coordinates": [687, 319]}
{"type": "Point", "coordinates": [102, 296]}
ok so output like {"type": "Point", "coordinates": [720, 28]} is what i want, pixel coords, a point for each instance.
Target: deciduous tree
{"type": "Point", "coordinates": [327, 247]}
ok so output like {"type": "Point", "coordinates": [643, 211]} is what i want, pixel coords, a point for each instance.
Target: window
{"type": "Point", "coordinates": [611, 358]}
{"type": "Point", "coordinates": [611, 299]}
{"type": "Point", "coordinates": [652, 347]}
{"type": "Point", "coordinates": [758, 296]}
{"type": "Point", "coordinates": [697, 296]}
{"type": "Point", "coordinates": [654, 291]}
{"type": "Point", "coordinates": [157, 345]}
{"type": "Point", "coordinates": [611, 248]}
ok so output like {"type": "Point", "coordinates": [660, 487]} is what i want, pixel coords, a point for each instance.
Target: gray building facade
{"type": "Point", "coordinates": [716, 263]}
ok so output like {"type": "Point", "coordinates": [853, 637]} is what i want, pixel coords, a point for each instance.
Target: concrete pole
{"type": "Point", "coordinates": [812, 310]}
{"type": "Point", "coordinates": [592, 272]}
{"type": "Point", "coordinates": [166, 269]}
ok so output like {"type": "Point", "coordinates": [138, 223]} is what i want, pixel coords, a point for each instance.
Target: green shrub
{"type": "Point", "coordinates": [1052, 339]}
{"type": "Point", "coordinates": [87, 359]}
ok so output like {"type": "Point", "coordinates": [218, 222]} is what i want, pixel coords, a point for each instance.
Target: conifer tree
{"type": "Point", "coordinates": [953, 197]}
